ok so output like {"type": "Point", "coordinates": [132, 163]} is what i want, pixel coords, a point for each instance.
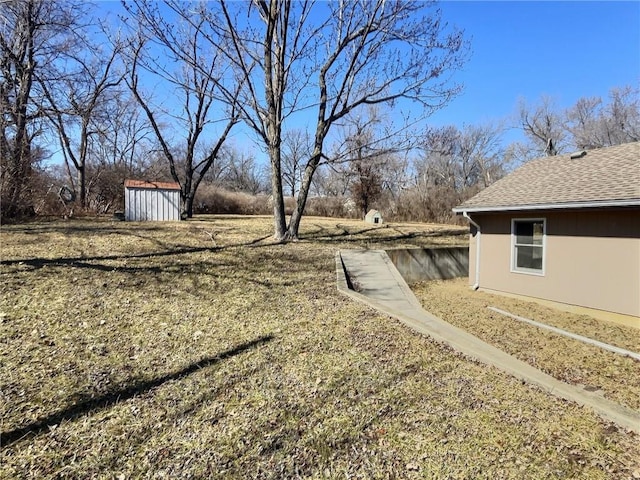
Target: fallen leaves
{"type": "Point", "coordinates": [139, 329]}
{"type": "Point", "coordinates": [569, 360]}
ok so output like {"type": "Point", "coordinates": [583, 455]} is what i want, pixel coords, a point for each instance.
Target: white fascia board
{"type": "Point", "coordinates": [551, 206]}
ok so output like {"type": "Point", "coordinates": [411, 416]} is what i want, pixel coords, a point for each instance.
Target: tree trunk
{"type": "Point", "coordinates": [19, 173]}
{"type": "Point", "coordinates": [82, 186]}
{"type": "Point", "coordinates": [277, 193]}
{"type": "Point", "coordinates": [303, 193]}
{"type": "Point", "coordinates": [19, 170]}
{"type": "Point", "coordinates": [186, 192]}
{"type": "Point", "coordinates": [187, 210]}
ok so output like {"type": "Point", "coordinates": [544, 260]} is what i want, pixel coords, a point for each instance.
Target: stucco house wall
{"type": "Point", "coordinates": [578, 222]}
{"type": "Point", "coordinates": [591, 258]}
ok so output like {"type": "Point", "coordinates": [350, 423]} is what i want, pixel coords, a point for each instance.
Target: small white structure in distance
{"type": "Point", "coordinates": [151, 201]}
{"type": "Point", "coordinates": [373, 216]}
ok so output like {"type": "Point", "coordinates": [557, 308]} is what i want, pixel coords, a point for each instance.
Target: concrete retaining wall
{"type": "Point", "coordinates": [419, 264]}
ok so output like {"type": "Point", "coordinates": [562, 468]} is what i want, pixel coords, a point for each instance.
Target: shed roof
{"type": "Point", "coordinates": [603, 177]}
{"type": "Point", "coordinates": [151, 185]}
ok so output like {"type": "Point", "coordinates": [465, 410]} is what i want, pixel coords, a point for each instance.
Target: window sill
{"type": "Point", "coordinates": [535, 273]}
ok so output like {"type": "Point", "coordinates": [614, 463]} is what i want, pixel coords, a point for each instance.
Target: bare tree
{"type": "Point", "coordinates": [455, 164]}
{"type": "Point", "coordinates": [366, 184]}
{"type": "Point", "coordinates": [594, 123]}
{"type": "Point", "coordinates": [124, 134]}
{"type": "Point", "coordinates": [367, 146]}
{"type": "Point", "coordinates": [543, 125]}
{"type": "Point", "coordinates": [332, 180]}
{"type": "Point", "coordinates": [397, 177]}
{"type": "Point", "coordinates": [33, 36]}
{"type": "Point", "coordinates": [439, 165]}
{"type": "Point", "coordinates": [119, 150]}
{"type": "Point", "coordinates": [483, 159]}
{"type": "Point", "coordinates": [241, 173]}
{"type": "Point", "coordinates": [264, 54]}
{"type": "Point", "coordinates": [77, 107]}
{"type": "Point", "coordinates": [296, 145]}
{"type": "Point", "coordinates": [198, 75]}
{"type": "Point", "coordinates": [589, 123]}
{"type": "Point", "coordinates": [331, 58]}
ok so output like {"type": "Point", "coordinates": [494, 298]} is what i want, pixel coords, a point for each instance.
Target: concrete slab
{"type": "Point", "coordinates": [378, 283]}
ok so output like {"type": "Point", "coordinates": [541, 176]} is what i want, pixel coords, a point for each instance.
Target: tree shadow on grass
{"type": "Point", "coordinates": [37, 263]}
{"type": "Point", "coordinates": [388, 234]}
{"type": "Point", "coordinates": [321, 235]}
{"type": "Point", "coordinates": [111, 398]}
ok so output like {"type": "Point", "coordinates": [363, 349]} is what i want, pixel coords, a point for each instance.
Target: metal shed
{"type": "Point", "coordinates": [373, 216]}
{"type": "Point", "coordinates": [151, 201]}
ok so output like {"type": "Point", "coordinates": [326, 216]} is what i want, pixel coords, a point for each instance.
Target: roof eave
{"type": "Point", "coordinates": [151, 185]}
{"type": "Point", "coordinates": [549, 206]}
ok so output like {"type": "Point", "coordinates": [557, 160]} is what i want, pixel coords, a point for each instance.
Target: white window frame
{"type": "Point", "coordinates": [528, 271]}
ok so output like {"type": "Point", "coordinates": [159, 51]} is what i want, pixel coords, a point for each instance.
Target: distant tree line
{"type": "Point", "coordinates": [162, 94]}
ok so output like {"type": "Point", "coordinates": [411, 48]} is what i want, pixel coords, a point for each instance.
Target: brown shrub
{"type": "Point", "coordinates": [337, 207]}
{"type": "Point", "coordinates": [434, 206]}
{"type": "Point", "coordinates": [211, 199]}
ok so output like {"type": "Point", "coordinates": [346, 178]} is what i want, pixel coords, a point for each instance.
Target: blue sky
{"type": "Point", "coordinates": [525, 50]}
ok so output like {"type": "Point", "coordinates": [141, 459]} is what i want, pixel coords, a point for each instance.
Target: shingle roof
{"type": "Point", "coordinates": [606, 176]}
{"type": "Point", "coordinates": [151, 185]}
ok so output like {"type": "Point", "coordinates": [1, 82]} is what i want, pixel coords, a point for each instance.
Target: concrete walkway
{"type": "Point", "coordinates": [380, 285]}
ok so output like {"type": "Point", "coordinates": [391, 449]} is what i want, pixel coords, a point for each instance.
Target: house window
{"type": "Point", "coordinates": [528, 240]}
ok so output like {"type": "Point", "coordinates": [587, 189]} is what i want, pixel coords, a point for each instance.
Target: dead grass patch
{"type": "Point", "coordinates": [151, 351]}
{"type": "Point", "coordinates": [569, 360]}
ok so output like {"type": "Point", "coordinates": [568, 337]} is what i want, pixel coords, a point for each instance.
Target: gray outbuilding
{"type": "Point", "coordinates": [151, 201]}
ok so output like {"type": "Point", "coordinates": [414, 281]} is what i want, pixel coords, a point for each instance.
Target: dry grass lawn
{"type": "Point", "coordinates": [616, 377]}
{"type": "Point", "coordinates": [201, 349]}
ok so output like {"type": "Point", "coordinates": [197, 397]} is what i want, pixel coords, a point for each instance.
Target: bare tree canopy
{"type": "Point", "coordinates": [296, 147]}
{"type": "Point", "coordinates": [328, 59]}
{"type": "Point", "coordinates": [455, 164]}
{"type": "Point", "coordinates": [594, 123]}
{"type": "Point", "coordinates": [34, 36]}
{"type": "Point", "coordinates": [241, 172]}
{"type": "Point", "coordinates": [77, 107]}
{"type": "Point", "coordinates": [334, 94]}
{"type": "Point", "coordinates": [463, 158]}
{"type": "Point", "coordinates": [366, 152]}
{"type": "Point", "coordinates": [178, 52]}
{"type": "Point", "coordinates": [543, 126]}
{"type": "Point", "coordinates": [590, 123]}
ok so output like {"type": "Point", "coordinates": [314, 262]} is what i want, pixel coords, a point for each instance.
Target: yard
{"type": "Point", "coordinates": [200, 349]}
{"type": "Point", "coordinates": [614, 376]}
